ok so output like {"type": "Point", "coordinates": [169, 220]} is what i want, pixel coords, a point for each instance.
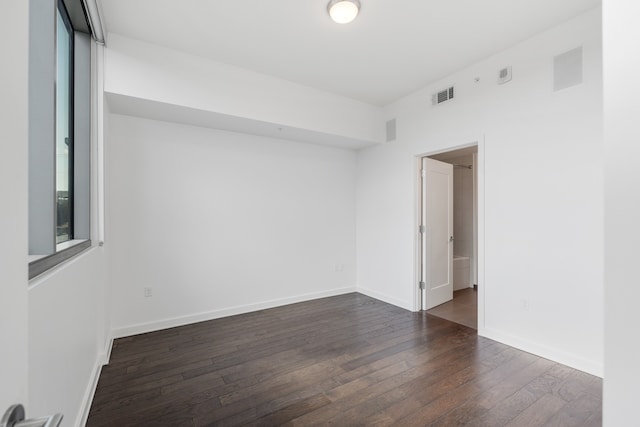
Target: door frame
{"type": "Point", "coordinates": [480, 188]}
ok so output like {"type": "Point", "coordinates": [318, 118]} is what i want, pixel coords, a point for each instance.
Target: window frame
{"type": "Point", "coordinates": [45, 252]}
{"type": "Point", "coordinates": [64, 14]}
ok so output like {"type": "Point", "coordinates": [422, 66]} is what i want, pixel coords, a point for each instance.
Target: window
{"type": "Point", "coordinates": [59, 133]}
{"type": "Point", "coordinates": [64, 126]}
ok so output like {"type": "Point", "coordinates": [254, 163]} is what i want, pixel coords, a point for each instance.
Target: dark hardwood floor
{"type": "Point", "coordinates": [347, 360]}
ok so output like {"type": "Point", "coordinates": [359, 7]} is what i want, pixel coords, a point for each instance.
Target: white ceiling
{"type": "Point", "coordinates": [393, 48]}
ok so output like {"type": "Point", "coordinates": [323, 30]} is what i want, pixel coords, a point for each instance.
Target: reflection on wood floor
{"type": "Point", "coordinates": [462, 309]}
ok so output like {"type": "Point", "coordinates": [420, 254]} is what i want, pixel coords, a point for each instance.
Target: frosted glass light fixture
{"type": "Point", "coordinates": [343, 11]}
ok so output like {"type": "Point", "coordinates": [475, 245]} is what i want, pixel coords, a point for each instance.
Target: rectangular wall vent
{"type": "Point", "coordinates": [504, 75]}
{"type": "Point", "coordinates": [442, 96]}
{"type": "Point", "coordinates": [567, 69]}
{"type": "Point", "coordinates": [391, 130]}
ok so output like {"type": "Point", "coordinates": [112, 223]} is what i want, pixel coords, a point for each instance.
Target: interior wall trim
{"type": "Point", "coordinates": [141, 328]}
{"type": "Point", "coordinates": [386, 298]}
{"type": "Point", "coordinates": [101, 360]}
{"type": "Point", "coordinates": [571, 360]}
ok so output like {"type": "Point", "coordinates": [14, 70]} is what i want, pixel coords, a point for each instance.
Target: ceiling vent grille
{"type": "Point", "coordinates": [442, 96]}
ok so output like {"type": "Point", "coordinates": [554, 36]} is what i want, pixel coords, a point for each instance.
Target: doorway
{"type": "Point", "coordinates": [448, 229]}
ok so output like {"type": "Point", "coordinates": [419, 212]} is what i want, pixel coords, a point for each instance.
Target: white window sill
{"type": "Point", "coordinates": [68, 244]}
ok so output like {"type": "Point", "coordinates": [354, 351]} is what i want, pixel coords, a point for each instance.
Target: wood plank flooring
{"type": "Point", "coordinates": [345, 361]}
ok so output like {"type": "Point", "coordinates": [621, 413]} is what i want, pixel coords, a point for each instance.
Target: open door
{"type": "Point", "coordinates": [436, 233]}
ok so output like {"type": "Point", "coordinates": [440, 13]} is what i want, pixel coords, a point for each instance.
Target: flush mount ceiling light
{"type": "Point", "coordinates": [343, 11]}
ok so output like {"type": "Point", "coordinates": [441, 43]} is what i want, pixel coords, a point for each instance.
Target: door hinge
{"type": "Point", "coordinates": [421, 229]}
{"type": "Point", "coordinates": [423, 172]}
{"type": "Point", "coordinates": [423, 285]}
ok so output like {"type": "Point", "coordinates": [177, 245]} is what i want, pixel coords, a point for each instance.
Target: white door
{"type": "Point", "coordinates": [437, 233]}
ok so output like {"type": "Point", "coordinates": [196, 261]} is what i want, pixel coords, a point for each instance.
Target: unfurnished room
{"type": "Point", "coordinates": [319, 212]}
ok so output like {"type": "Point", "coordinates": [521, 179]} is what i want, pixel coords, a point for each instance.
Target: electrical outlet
{"type": "Point", "coordinates": [148, 292]}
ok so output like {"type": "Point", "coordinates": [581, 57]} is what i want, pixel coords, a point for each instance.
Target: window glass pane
{"type": "Point", "coordinates": [64, 143]}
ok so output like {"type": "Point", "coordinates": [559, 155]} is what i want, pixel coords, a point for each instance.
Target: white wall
{"type": "Point", "coordinates": [622, 210]}
{"type": "Point", "coordinates": [67, 321]}
{"type": "Point", "coordinates": [219, 223]}
{"type": "Point", "coordinates": [66, 336]}
{"type": "Point", "coordinates": [150, 72]}
{"type": "Point", "coordinates": [14, 26]}
{"type": "Point", "coordinates": [540, 180]}
{"type": "Point", "coordinates": [49, 326]}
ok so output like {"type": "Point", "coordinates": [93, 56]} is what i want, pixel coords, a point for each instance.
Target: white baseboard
{"type": "Point", "coordinates": [106, 356]}
{"type": "Point", "coordinates": [386, 298]}
{"type": "Point", "coordinates": [101, 360]}
{"type": "Point", "coordinates": [142, 328]}
{"type": "Point", "coordinates": [568, 359]}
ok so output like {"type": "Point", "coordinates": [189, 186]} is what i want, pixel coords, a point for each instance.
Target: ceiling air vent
{"type": "Point", "coordinates": [442, 96]}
